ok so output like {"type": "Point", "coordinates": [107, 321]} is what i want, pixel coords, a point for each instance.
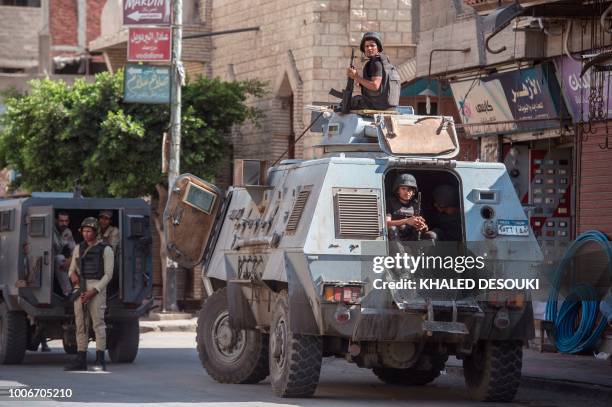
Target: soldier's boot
{"type": "Point", "coordinates": [100, 363]}
{"type": "Point", "coordinates": [79, 363]}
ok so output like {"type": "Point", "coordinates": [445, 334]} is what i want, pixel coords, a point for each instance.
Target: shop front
{"type": "Point", "coordinates": [519, 119]}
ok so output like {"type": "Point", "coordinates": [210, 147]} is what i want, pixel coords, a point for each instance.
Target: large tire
{"type": "Point", "coordinates": [493, 371]}
{"type": "Point", "coordinates": [33, 340]}
{"type": "Point", "coordinates": [229, 355]}
{"type": "Point", "coordinates": [413, 376]}
{"type": "Point", "coordinates": [124, 340]}
{"type": "Point", "coordinates": [295, 360]}
{"type": "Point", "coordinates": [13, 336]}
{"type": "Point", "coordinates": [69, 341]}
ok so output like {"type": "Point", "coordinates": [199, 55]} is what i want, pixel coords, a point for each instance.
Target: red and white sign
{"type": "Point", "coordinates": [149, 44]}
{"type": "Point", "coordinates": [147, 12]}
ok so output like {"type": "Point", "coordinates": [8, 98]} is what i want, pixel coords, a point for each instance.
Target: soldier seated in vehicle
{"type": "Point", "coordinates": [404, 220]}
{"type": "Point", "coordinates": [446, 223]}
{"type": "Point", "coordinates": [63, 244]}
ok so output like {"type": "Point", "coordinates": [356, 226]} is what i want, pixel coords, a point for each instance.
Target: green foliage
{"type": "Point", "coordinates": [57, 133]}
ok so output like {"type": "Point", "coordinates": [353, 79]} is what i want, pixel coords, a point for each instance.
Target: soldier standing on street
{"type": "Point", "coordinates": [109, 234]}
{"type": "Point", "coordinates": [92, 269]}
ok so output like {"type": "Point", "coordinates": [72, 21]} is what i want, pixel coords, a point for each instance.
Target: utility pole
{"type": "Point", "coordinates": [169, 303]}
{"type": "Point", "coordinates": [178, 74]}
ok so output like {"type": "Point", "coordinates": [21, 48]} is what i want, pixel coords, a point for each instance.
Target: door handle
{"type": "Point", "coordinates": [46, 258]}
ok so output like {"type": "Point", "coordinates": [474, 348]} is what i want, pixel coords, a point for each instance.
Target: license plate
{"type": "Point", "coordinates": [512, 227]}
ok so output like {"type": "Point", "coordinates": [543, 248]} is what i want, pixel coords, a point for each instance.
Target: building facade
{"type": "Point", "coordinates": [515, 72]}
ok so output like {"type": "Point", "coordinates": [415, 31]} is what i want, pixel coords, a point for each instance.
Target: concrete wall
{"type": "Point", "coordinates": [301, 50]}
{"type": "Point", "coordinates": [19, 28]}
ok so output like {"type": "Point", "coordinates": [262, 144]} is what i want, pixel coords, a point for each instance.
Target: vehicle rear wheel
{"type": "Point", "coordinates": [229, 355]}
{"type": "Point", "coordinates": [493, 371]}
{"type": "Point", "coordinates": [13, 336]}
{"type": "Point", "coordinates": [69, 343]}
{"type": "Point", "coordinates": [33, 339]}
{"type": "Point", "coordinates": [295, 360]}
{"type": "Point", "coordinates": [124, 340]}
{"type": "Point", "coordinates": [418, 375]}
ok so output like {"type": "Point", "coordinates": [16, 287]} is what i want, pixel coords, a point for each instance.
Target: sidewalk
{"type": "Point", "coordinates": [558, 368]}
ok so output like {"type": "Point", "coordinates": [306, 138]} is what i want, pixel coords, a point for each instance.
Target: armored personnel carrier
{"type": "Point", "coordinates": [33, 306]}
{"type": "Point", "coordinates": [289, 263]}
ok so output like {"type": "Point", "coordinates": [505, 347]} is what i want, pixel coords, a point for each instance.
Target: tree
{"type": "Point", "coordinates": [57, 133]}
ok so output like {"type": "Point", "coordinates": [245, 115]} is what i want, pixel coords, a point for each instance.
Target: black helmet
{"type": "Point", "coordinates": [445, 196]}
{"type": "Point", "coordinates": [404, 180]}
{"type": "Point", "coordinates": [374, 36]}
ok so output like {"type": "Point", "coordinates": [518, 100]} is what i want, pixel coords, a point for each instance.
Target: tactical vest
{"type": "Point", "coordinates": [92, 265]}
{"type": "Point", "coordinates": [389, 93]}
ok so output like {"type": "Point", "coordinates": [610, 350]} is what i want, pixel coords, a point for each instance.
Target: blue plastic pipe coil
{"type": "Point", "coordinates": [584, 337]}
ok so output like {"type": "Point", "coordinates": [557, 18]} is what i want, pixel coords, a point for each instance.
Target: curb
{"type": "Point", "coordinates": [575, 387]}
{"type": "Point", "coordinates": [168, 326]}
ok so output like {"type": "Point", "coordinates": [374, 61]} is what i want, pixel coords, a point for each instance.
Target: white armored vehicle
{"type": "Point", "coordinates": [288, 263]}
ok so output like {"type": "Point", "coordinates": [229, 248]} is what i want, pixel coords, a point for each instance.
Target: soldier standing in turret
{"type": "Point", "coordinates": [380, 82]}
{"type": "Point", "coordinates": [92, 269]}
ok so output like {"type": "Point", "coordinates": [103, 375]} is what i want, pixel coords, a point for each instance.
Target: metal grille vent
{"type": "Point", "coordinates": [358, 216]}
{"type": "Point", "coordinates": [298, 209]}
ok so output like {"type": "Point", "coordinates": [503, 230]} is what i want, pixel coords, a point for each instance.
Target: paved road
{"type": "Point", "coordinates": [167, 372]}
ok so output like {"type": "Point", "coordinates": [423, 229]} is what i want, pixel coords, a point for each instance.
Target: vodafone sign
{"type": "Point", "coordinates": [149, 44]}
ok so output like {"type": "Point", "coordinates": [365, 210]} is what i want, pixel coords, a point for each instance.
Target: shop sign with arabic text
{"type": "Point", "coordinates": [577, 91]}
{"type": "Point", "coordinates": [509, 102]}
{"type": "Point", "coordinates": [149, 44]}
{"type": "Point", "coordinates": [146, 84]}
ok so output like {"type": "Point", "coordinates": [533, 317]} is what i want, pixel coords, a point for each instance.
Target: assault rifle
{"type": "Point", "coordinates": [347, 93]}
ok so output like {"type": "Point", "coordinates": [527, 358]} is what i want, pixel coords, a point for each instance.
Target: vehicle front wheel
{"type": "Point", "coordinates": [229, 355]}
{"type": "Point", "coordinates": [295, 360]}
{"type": "Point", "coordinates": [493, 371]}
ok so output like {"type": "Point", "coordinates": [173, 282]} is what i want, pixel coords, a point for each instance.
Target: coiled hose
{"type": "Point", "coordinates": [584, 337]}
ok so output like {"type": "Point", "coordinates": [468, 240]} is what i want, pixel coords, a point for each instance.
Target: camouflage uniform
{"type": "Point", "coordinates": [94, 266]}
{"type": "Point", "coordinates": [63, 245]}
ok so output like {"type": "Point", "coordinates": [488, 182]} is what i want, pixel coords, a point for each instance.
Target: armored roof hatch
{"type": "Point", "coordinates": [417, 136]}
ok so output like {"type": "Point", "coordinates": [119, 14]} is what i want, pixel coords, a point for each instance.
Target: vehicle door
{"type": "Point", "coordinates": [189, 219]}
{"type": "Point", "coordinates": [135, 256]}
{"type": "Point", "coordinates": [38, 252]}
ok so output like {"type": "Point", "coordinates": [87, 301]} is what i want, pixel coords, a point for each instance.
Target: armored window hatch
{"type": "Point", "coordinates": [199, 198]}
{"type": "Point", "coordinates": [358, 214]}
{"type": "Point", "coordinates": [298, 210]}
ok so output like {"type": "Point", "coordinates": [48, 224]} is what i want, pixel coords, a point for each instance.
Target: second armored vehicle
{"type": "Point", "coordinates": [33, 306]}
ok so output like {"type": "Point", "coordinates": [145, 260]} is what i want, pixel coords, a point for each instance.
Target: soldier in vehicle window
{"type": "Point", "coordinates": [108, 234]}
{"type": "Point", "coordinates": [446, 223]}
{"type": "Point", "coordinates": [404, 220]}
{"type": "Point", "coordinates": [63, 244]}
